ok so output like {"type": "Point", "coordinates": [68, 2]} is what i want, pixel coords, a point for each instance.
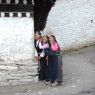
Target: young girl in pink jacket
{"type": "Point", "coordinates": [55, 62]}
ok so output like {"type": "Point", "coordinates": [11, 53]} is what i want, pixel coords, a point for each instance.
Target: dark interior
{"type": "Point", "coordinates": [41, 11]}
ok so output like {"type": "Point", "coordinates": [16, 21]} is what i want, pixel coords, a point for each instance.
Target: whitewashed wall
{"type": "Point", "coordinates": [17, 51]}
{"type": "Point", "coordinates": [16, 38]}
{"type": "Point", "coordinates": [73, 23]}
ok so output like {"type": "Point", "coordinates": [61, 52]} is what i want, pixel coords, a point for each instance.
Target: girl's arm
{"type": "Point", "coordinates": [55, 47]}
{"type": "Point", "coordinates": [43, 46]}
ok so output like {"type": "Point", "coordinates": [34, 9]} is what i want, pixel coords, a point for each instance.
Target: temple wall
{"type": "Point", "coordinates": [73, 23]}
{"type": "Point", "coordinates": [16, 38]}
{"type": "Point", "coordinates": [17, 51]}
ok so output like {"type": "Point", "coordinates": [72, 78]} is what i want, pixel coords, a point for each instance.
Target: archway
{"type": "Point", "coordinates": [41, 11]}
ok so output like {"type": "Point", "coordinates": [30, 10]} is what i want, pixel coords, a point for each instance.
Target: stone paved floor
{"type": "Point", "coordinates": [13, 73]}
{"type": "Point", "coordinates": [79, 77]}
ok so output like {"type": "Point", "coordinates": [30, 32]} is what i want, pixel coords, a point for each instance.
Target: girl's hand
{"type": "Point", "coordinates": [47, 58]}
{"type": "Point", "coordinates": [36, 59]}
{"type": "Point", "coordinates": [39, 58]}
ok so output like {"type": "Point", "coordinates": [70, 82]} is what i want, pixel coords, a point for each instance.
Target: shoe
{"type": "Point", "coordinates": [60, 83]}
{"type": "Point", "coordinates": [53, 84]}
{"type": "Point", "coordinates": [47, 83]}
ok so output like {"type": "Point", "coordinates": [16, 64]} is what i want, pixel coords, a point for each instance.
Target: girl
{"type": "Point", "coordinates": [45, 46]}
{"type": "Point", "coordinates": [55, 60]}
{"type": "Point", "coordinates": [39, 55]}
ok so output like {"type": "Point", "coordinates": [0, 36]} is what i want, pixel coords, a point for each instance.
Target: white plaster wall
{"type": "Point", "coordinates": [70, 22]}
{"type": "Point", "coordinates": [16, 38]}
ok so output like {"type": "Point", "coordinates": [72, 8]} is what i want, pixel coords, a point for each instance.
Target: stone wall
{"type": "Point", "coordinates": [21, 72]}
{"type": "Point", "coordinates": [73, 23]}
{"type": "Point", "coordinates": [17, 51]}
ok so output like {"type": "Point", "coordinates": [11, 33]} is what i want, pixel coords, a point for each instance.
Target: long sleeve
{"type": "Point", "coordinates": [54, 47]}
{"type": "Point", "coordinates": [43, 46]}
{"type": "Point", "coordinates": [42, 54]}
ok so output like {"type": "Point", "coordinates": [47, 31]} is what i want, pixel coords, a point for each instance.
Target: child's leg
{"type": "Point", "coordinates": [60, 70]}
{"type": "Point", "coordinates": [48, 69]}
{"type": "Point", "coordinates": [42, 69]}
{"type": "Point", "coordinates": [54, 69]}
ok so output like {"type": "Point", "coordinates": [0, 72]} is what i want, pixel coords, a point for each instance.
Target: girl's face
{"type": "Point", "coordinates": [51, 39]}
{"type": "Point", "coordinates": [37, 36]}
{"type": "Point", "coordinates": [45, 40]}
{"type": "Point", "coordinates": [48, 35]}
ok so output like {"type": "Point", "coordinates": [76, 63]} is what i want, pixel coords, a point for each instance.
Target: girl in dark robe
{"type": "Point", "coordinates": [39, 55]}
{"type": "Point", "coordinates": [46, 49]}
{"type": "Point", "coordinates": [55, 62]}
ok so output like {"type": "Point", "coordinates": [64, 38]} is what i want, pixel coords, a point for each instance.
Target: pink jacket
{"type": "Point", "coordinates": [54, 47]}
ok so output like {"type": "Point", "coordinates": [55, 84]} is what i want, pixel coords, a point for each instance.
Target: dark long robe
{"type": "Point", "coordinates": [41, 63]}
{"type": "Point", "coordinates": [55, 67]}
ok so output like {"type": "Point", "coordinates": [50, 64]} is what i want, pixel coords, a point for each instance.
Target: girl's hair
{"type": "Point", "coordinates": [38, 33]}
{"type": "Point", "coordinates": [55, 41]}
{"type": "Point", "coordinates": [47, 39]}
{"type": "Point", "coordinates": [53, 38]}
